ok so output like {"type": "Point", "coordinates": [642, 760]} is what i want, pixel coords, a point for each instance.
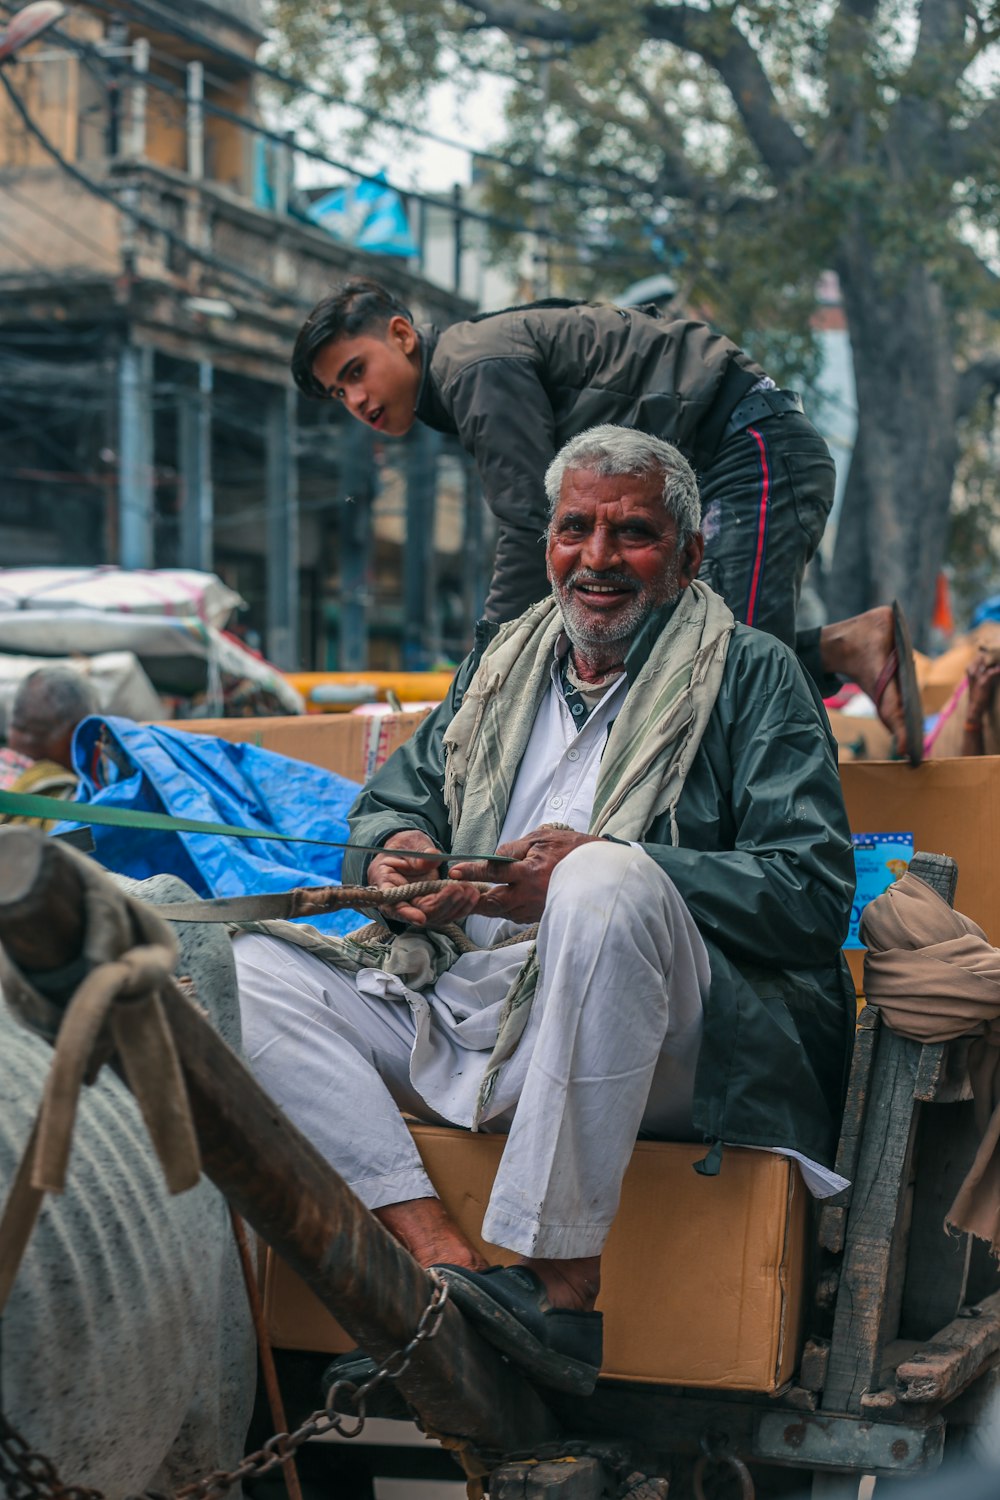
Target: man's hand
{"type": "Point", "coordinates": [426, 911]}
{"type": "Point", "coordinates": [522, 896]}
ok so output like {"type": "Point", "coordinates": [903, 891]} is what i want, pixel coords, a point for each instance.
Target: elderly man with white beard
{"type": "Point", "coordinates": [664, 783]}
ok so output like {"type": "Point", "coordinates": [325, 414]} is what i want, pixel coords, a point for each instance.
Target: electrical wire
{"type": "Point", "coordinates": [171, 24]}
{"type": "Point", "coordinates": [145, 221]}
{"type": "Point", "coordinates": [493, 221]}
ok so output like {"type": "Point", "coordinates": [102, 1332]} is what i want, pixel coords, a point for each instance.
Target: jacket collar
{"type": "Point", "coordinates": [430, 409]}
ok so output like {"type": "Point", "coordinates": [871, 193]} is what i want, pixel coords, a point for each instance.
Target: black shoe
{"type": "Point", "coordinates": [509, 1306]}
{"type": "Point", "coordinates": [383, 1401]}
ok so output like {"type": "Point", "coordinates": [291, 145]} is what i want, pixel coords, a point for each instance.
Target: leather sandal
{"type": "Point", "coordinates": [899, 666]}
{"type": "Point", "coordinates": [553, 1346]}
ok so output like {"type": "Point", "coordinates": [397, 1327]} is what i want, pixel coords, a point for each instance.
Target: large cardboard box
{"type": "Point", "coordinates": [353, 745]}
{"type": "Point", "coordinates": [950, 807]}
{"type": "Point", "coordinates": [857, 738]}
{"type": "Point", "coordinates": [702, 1278]}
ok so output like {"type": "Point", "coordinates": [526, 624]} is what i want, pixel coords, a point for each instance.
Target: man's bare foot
{"type": "Point", "coordinates": [422, 1226]}
{"type": "Point", "coordinates": [569, 1284]}
{"type": "Point", "coordinates": [858, 649]}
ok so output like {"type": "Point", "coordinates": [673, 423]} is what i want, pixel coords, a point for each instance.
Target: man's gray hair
{"type": "Point", "coordinates": [63, 693]}
{"type": "Point", "coordinates": [610, 450]}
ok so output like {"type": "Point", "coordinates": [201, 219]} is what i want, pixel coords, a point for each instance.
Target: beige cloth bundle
{"type": "Point", "coordinates": [934, 977]}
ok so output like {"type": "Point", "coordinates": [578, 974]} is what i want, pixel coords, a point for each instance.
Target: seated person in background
{"type": "Point", "coordinates": [47, 707]}
{"type": "Point", "coordinates": [666, 785]}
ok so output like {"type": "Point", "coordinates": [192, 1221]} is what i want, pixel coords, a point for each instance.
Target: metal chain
{"type": "Point", "coordinates": [26, 1475]}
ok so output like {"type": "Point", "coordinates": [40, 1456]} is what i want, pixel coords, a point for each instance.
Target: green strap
{"type": "Point", "coordinates": [30, 805]}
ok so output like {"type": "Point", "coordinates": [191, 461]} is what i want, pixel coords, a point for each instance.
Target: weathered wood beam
{"type": "Point", "coordinates": [955, 1357]}
{"type": "Point", "coordinates": [274, 1177]}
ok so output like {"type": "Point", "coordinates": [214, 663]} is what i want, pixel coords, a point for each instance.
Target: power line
{"type": "Point", "coordinates": [169, 23]}
{"type": "Point", "coordinates": [493, 221]}
{"type": "Point", "coordinates": [145, 221]}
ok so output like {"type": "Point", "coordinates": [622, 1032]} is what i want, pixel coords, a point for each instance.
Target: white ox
{"type": "Point", "coordinates": [126, 1349]}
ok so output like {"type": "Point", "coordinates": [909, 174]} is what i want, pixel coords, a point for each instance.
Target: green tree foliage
{"type": "Point", "coordinates": [745, 148]}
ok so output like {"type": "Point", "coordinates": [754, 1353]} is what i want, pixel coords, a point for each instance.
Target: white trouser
{"type": "Point", "coordinates": [609, 1050]}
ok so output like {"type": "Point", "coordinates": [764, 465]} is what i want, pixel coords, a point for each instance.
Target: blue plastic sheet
{"type": "Point", "coordinates": [124, 764]}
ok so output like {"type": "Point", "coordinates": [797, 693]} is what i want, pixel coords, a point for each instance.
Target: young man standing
{"type": "Point", "coordinates": [514, 386]}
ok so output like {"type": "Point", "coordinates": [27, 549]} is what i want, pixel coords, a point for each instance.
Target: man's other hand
{"type": "Point", "coordinates": [436, 910]}
{"type": "Point", "coordinates": [522, 896]}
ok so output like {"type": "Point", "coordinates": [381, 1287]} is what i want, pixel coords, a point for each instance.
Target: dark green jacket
{"type": "Point", "coordinates": [766, 869]}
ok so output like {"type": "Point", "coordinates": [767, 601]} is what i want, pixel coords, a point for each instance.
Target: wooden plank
{"type": "Point", "coordinates": [954, 1358]}
{"type": "Point", "coordinates": [943, 1074]}
{"type": "Point", "coordinates": [871, 1281]}
{"type": "Point", "coordinates": [814, 1364]}
{"type": "Point", "coordinates": [938, 1261]}
{"type": "Point", "coordinates": [833, 1219]}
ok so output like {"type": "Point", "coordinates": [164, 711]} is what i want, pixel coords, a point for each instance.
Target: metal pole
{"type": "Point", "coordinates": [418, 551]}
{"type": "Point", "coordinates": [457, 221]}
{"type": "Point", "coordinates": [135, 454]}
{"type": "Point", "coordinates": [282, 531]}
{"type": "Point", "coordinates": [196, 120]}
{"type": "Point", "coordinates": [137, 100]}
{"type": "Point", "coordinates": [474, 546]}
{"type": "Point", "coordinates": [283, 159]}
{"type": "Point", "coordinates": [357, 497]}
{"type": "Point", "coordinates": [540, 268]}
{"type": "Point", "coordinates": [195, 464]}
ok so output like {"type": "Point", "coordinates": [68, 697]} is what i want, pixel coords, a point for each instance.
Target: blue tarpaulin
{"type": "Point", "coordinates": [147, 769]}
{"type": "Point", "coordinates": [369, 215]}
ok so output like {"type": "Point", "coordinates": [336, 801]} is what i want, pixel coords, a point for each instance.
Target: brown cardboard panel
{"type": "Point", "coordinates": [702, 1278]}
{"type": "Point", "coordinates": [951, 807]}
{"type": "Point", "coordinates": [353, 745]}
{"type": "Point", "coordinates": [859, 739]}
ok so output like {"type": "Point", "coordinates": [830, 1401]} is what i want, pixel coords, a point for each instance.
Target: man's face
{"type": "Point", "coordinates": [612, 555]}
{"type": "Point", "coordinates": [376, 375]}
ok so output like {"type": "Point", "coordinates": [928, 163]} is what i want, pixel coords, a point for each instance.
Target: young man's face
{"type": "Point", "coordinates": [376, 375]}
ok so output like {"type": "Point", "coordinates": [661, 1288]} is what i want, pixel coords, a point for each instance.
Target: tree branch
{"type": "Point", "coordinates": [983, 375]}
{"type": "Point", "coordinates": [710, 34]}
{"type": "Point", "coordinates": [968, 150]}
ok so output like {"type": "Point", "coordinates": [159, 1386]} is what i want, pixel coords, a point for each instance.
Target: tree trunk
{"type": "Point", "coordinates": [907, 449]}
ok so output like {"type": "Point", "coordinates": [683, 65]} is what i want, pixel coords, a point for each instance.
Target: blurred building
{"type": "Point", "coordinates": [146, 319]}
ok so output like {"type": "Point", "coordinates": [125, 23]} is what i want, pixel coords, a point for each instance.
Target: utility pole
{"type": "Point", "coordinates": [357, 481]}
{"type": "Point", "coordinates": [541, 279]}
{"type": "Point", "coordinates": [195, 465]}
{"type": "Point", "coordinates": [282, 530]}
{"type": "Point", "coordinates": [135, 456]}
{"type": "Point", "coordinates": [418, 553]}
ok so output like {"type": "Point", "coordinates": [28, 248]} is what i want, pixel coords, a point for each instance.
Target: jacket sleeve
{"type": "Point", "coordinates": [504, 419]}
{"type": "Point", "coordinates": [781, 897]}
{"type": "Point", "coordinates": [408, 791]}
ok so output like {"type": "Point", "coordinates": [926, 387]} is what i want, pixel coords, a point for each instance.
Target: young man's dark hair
{"type": "Point", "coordinates": [357, 306]}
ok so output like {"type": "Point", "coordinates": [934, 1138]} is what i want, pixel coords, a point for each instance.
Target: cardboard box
{"type": "Point", "coordinates": [353, 745]}
{"type": "Point", "coordinates": [702, 1279]}
{"type": "Point", "coordinates": [951, 807]}
{"type": "Point", "coordinates": [859, 739]}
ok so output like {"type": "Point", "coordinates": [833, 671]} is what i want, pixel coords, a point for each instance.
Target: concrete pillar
{"type": "Point", "coordinates": [135, 457]}
{"type": "Point", "coordinates": [195, 466]}
{"type": "Point", "coordinates": [282, 646]}
{"type": "Point", "coordinates": [420, 633]}
{"type": "Point", "coordinates": [357, 489]}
